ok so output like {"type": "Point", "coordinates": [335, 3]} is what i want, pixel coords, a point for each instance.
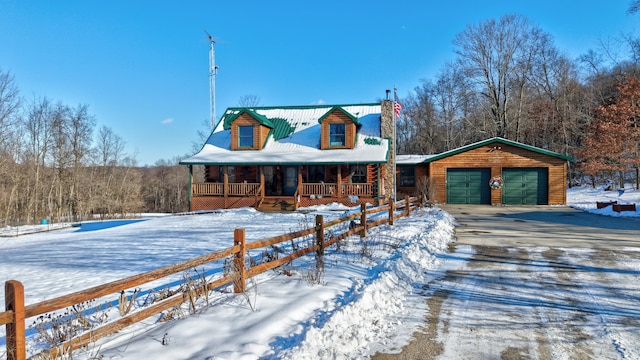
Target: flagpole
{"type": "Point", "coordinates": [395, 152]}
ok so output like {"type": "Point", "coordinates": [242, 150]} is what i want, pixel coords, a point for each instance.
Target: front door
{"type": "Point", "coordinates": [290, 180]}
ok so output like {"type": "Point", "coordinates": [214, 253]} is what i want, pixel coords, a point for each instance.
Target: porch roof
{"type": "Point", "coordinates": [300, 143]}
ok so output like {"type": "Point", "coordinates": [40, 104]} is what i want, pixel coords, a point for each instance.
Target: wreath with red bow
{"type": "Point", "coordinates": [495, 182]}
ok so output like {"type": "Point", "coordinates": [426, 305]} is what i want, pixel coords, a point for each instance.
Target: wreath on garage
{"type": "Point", "coordinates": [495, 182]}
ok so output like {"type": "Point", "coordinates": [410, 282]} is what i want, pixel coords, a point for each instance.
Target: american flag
{"type": "Point", "coordinates": [397, 107]}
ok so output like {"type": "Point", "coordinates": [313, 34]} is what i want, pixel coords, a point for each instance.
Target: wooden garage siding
{"type": "Point", "coordinates": [499, 155]}
{"type": "Point", "coordinates": [338, 117]}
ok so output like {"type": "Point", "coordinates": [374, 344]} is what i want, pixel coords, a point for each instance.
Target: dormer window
{"type": "Point", "coordinates": [338, 129]}
{"type": "Point", "coordinates": [337, 134]}
{"type": "Point", "coordinates": [245, 136]}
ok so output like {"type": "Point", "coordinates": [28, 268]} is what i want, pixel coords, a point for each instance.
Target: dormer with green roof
{"type": "Point", "coordinates": [338, 129]}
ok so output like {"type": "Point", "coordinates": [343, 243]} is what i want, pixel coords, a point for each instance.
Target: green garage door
{"type": "Point", "coordinates": [468, 186]}
{"type": "Point", "coordinates": [525, 186]}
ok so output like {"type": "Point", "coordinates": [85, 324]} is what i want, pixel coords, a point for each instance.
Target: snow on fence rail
{"type": "Point", "coordinates": [16, 313]}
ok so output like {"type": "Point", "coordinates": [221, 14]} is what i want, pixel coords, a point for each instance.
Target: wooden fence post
{"type": "Point", "coordinates": [363, 220]}
{"type": "Point", "coordinates": [320, 234]}
{"type": "Point", "coordinates": [391, 211]}
{"type": "Point", "coordinates": [14, 301]}
{"type": "Point", "coordinates": [407, 203]}
{"type": "Point", "coordinates": [240, 283]}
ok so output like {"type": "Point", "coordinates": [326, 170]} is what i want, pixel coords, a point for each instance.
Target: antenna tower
{"type": "Point", "coordinates": [213, 70]}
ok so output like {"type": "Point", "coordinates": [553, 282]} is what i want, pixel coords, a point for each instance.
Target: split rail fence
{"type": "Point", "coordinates": [16, 312]}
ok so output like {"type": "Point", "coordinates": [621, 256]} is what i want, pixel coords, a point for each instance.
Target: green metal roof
{"type": "Point", "coordinates": [262, 120]}
{"type": "Point", "coordinates": [353, 118]}
{"type": "Point", "coordinates": [498, 140]}
{"type": "Point", "coordinates": [281, 128]}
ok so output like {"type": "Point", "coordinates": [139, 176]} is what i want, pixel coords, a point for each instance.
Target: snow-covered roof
{"type": "Point", "coordinates": [411, 159]}
{"type": "Point", "coordinates": [295, 138]}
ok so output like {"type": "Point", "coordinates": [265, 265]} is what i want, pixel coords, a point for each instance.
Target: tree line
{"type": "Point", "coordinates": [508, 79]}
{"type": "Point", "coordinates": [56, 164]}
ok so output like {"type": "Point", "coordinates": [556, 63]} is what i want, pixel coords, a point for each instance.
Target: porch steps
{"type": "Point", "coordinates": [277, 204]}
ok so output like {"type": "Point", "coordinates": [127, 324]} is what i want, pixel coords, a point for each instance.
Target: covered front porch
{"type": "Point", "coordinates": [286, 187]}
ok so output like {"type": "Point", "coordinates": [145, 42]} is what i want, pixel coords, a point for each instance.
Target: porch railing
{"type": "Point", "coordinates": [207, 189]}
{"type": "Point", "coordinates": [233, 189]}
{"type": "Point", "coordinates": [243, 188]}
{"type": "Point", "coordinates": [306, 190]}
{"type": "Point", "coordinates": [331, 189]}
{"type": "Point", "coordinates": [321, 189]}
{"type": "Point", "coordinates": [357, 189]}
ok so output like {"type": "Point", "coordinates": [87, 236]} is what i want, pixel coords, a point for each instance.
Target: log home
{"type": "Point", "coordinates": [280, 158]}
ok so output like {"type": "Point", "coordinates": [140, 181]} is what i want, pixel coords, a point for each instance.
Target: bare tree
{"type": "Point", "coordinates": [10, 145]}
{"type": "Point", "coordinates": [9, 105]}
{"type": "Point", "coordinates": [249, 100]}
{"type": "Point", "coordinates": [634, 7]}
{"type": "Point", "coordinates": [497, 56]}
{"type": "Point", "coordinates": [109, 147]}
{"type": "Point", "coordinates": [80, 131]}
{"type": "Point", "coordinates": [37, 131]}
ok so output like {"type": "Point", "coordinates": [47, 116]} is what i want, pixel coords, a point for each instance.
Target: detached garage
{"type": "Point", "coordinates": [497, 171]}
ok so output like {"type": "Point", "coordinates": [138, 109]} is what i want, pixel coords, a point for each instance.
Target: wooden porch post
{"type": "Point", "coordinates": [225, 184]}
{"type": "Point", "coordinates": [262, 184]}
{"type": "Point", "coordinates": [300, 179]}
{"type": "Point", "coordinates": [190, 187]}
{"type": "Point", "coordinates": [339, 192]}
{"type": "Point", "coordinates": [379, 186]}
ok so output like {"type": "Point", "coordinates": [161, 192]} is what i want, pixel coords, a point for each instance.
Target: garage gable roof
{"type": "Point", "coordinates": [494, 140]}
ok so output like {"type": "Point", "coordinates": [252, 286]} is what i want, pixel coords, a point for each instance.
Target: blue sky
{"type": "Point", "coordinates": [142, 66]}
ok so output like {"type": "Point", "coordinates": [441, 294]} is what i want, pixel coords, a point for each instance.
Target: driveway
{"type": "Point", "coordinates": [534, 283]}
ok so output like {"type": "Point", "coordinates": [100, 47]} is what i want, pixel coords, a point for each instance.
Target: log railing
{"type": "Point", "coordinates": [306, 189]}
{"type": "Point", "coordinates": [16, 313]}
{"type": "Point", "coordinates": [331, 189]}
{"type": "Point", "coordinates": [242, 189]}
{"type": "Point", "coordinates": [208, 188]}
{"type": "Point", "coordinates": [319, 189]}
{"type": "Point", "coordinates": [233, 189]}
{"type": "Point", "coordinates": [357, 189]}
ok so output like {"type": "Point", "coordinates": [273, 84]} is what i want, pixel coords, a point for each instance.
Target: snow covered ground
{"type": "Point", "coordinates": [369, 298]}
{"type": "Point", "coordinates": [585, 198]}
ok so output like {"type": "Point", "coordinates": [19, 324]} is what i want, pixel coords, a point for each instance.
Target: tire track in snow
{"type": "Point", "coordinates": [606, 266]}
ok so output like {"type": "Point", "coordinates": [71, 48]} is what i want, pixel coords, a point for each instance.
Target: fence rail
{"type": "Point", "coordinates": [16, 313]}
